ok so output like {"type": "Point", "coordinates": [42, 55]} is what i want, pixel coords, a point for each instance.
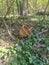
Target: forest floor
{"type": "Point", "coordinates": [6, 41]}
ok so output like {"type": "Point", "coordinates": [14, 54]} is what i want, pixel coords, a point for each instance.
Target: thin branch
{"type": "Point", "coordinates": [9, 32]}
{"type": "Point", "coordinates": [17, 5]}
{"type": "Point", "coordinates": [6, 24]}
{"type": "Point", "coordinates": [45, 10]}
{"type": "Point", "coordinates": [9, 9]}
{"type": "Point", "coordinates": [31, 6]}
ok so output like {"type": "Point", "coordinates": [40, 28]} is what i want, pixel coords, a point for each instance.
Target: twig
{"type": "Point", "coordinates": [6, 24]}
{"type": "Point", "coordinates": [31, 6]}
{"type": "Point", "coordinates": [40, 33]}
{"type": "Point", "coordinates": [8, 9]}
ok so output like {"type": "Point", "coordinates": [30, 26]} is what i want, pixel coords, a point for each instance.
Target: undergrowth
{"type": "Point", "coordinates": [34, 50]}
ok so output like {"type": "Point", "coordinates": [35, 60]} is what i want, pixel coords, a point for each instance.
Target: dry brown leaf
{"type": "Point", "coordinates": [25, 31]}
